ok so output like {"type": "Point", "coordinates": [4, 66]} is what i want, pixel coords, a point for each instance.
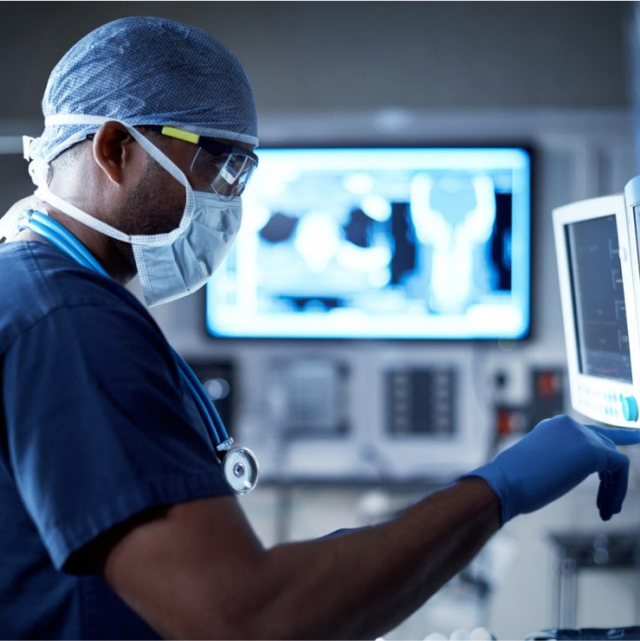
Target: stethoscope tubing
{"type": "Point", "coordinates": [206, 407]}
{"type": "Point", "coordinates": [66, 242]}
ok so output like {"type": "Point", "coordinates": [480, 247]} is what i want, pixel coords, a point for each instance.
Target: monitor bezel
{"type": "Point", "coordinates": [526, 335]}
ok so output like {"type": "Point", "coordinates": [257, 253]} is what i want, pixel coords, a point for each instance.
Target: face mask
{"type": "Point", "coordinates": [170, 265]}
{"type": "Point", "coordinates": [168, 272]}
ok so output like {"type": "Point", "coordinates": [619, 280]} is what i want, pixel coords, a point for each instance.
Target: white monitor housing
{"type": "Point", "coordinates": [597, 254]}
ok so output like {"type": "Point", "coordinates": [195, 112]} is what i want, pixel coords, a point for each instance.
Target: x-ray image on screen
{"type": "Point", "coordinates": [598, 298]}
{"type": "Point", "coordinates": [380, 243]}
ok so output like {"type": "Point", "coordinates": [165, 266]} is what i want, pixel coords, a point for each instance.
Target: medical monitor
{"type": "Point", "coordinates": [599, 308]}
{"type": "Point", "coordinates": [380, 243]}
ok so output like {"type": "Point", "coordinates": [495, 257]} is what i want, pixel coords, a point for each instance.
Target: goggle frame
{"type": "Point", "coordinates": [235, 179]}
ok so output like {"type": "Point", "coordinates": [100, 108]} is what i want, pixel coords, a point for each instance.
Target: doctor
{"type": "Point", "coordinates": [117, 519]}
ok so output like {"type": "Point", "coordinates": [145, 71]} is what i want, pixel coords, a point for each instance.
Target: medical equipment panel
{"type": "Point", "coordinates": [599, 309]}
{"type": "Point", "coordinates": [310, 397]}
{"type": "Point", "coordinates": [365, 416]}
{"type": "Point", "coordinates": [426, 420]}
{"type": "Point", "coordinates": [380, 243]}
{"type": "Point", "coordinates": [421, 401]}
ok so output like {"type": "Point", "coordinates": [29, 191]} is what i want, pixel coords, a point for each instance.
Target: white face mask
{"type": "Point", "coordinates": [170, 265]}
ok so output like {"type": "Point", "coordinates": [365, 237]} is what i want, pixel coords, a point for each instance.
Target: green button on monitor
{"type": "Point", "coordinates": [629, 408]}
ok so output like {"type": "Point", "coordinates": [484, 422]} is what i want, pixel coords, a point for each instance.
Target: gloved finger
{"type": "Point", "coordinates": [604, 491]}
{"type": "Point", "coordinates": [613, 494]}
{"type": "Point", "coordinates": [619, 435]}
{"type": "Point", "coordinates": [614, 481]}
{"type": "Point", "coordinates": [606, 497]}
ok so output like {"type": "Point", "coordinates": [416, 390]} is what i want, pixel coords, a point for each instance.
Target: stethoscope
{"type": "Point", "coordinates": [239, 465]}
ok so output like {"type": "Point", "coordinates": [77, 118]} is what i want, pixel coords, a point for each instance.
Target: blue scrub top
{"type": "Point", "coordinates": [96, 426]}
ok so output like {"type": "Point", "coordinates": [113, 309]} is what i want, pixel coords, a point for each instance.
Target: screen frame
{"type": "Point", "coordinates": [593, 396]}
{"type": "Point", "coordinates": [524, 146]}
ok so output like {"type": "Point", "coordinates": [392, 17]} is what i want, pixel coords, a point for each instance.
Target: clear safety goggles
{"type": "Point", "coordinates": [224, 167]}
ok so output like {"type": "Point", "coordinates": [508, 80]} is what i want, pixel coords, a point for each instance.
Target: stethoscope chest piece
{"type": "Point", "coordinates": [240, 468]}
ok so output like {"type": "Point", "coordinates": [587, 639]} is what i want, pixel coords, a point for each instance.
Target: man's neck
{"type": "Point", "coordinates": [116, 257]}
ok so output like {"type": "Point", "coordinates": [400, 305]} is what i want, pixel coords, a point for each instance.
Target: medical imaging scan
{"type": "Point", "coordinates": [598, 298]}
{"type": "Point", "coordinates": [380, 243]}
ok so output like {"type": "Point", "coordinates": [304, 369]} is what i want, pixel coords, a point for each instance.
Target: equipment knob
{"type": "Point", "coordinates": [629, 408]}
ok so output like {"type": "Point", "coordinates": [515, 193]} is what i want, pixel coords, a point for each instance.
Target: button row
{"type": "Point", "coordinates": [601, 402]}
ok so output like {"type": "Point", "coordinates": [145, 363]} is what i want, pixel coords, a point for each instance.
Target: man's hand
{"type": "Point", "coordinates": [553, 458]}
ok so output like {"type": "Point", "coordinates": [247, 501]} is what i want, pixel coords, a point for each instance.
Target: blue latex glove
{"type": "Point", "coordinates": [553, 458]}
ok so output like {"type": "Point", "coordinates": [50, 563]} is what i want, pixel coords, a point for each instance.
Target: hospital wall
{"type": "Point", "coordinates": [553, 75]}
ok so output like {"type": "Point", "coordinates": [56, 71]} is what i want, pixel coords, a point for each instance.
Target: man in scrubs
{"type": "Point", "coordinates": [117, 520]}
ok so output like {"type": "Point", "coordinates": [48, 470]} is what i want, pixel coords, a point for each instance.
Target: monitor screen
{"type": "Point", "coordinates": [391, 243]}
{"type": "Point", "coordinates": [598, 299]}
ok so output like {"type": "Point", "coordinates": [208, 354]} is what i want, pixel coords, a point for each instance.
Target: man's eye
{"type": "Point", "coordinates": [215, 162]}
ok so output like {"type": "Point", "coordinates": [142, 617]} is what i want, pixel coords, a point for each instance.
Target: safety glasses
{"type": "Point", "coordinates": [225, 168]}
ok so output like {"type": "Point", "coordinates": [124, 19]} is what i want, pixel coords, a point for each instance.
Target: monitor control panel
{"type": "Point", "coordinates": [614, 406]}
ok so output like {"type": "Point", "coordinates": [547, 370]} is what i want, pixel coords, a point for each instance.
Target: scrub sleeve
{"type": "Point", "coordinates": [99, 426]}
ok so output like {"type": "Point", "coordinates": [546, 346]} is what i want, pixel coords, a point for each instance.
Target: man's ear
{"type": "Point", "coordinates": [113, 150]}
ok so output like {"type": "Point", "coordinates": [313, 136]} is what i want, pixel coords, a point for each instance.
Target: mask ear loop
{"type": "Point", "coordinates": [44, 193]}
{"type": "Point", "coordinates": [168, 165]}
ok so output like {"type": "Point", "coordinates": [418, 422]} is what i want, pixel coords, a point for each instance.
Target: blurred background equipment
{"type": "Point", "coordinates": [579, 551]}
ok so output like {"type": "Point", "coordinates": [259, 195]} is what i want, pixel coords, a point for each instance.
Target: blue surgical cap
{"type": "Point", "coordinates": [148, 71]}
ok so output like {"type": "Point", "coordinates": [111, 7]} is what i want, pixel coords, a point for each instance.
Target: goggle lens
{"type": "Point", "coordinates": [227, 174]}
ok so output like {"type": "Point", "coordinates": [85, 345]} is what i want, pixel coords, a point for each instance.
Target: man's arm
{"type": "Point", "coordinates": [198, 571]}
